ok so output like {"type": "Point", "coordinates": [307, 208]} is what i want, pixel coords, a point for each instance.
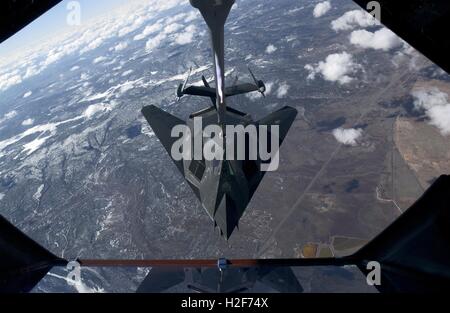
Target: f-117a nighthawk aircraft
{"type": "Point", "coordinates": [224, 187]}
{"type": "Point", "coordinates": [413, 251]}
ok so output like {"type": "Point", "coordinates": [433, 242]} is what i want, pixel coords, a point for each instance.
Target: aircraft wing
{"type": "Point", "coordinates": [14, 15]}
{"type": "Point", "coordinates": [283, 117]}
{"type": "Point", "coordinates": [414, 250]}
{"type": "Point", "coordinates": [200, 91]}
{"type": "Point", "coordinates": [211, 92]}
{"type": "Point", "coordinates": [162, 124]}
{"type": "Point", "coordinates": [240, 89]}
{"type": "Point", "coordinates": [23, 262]}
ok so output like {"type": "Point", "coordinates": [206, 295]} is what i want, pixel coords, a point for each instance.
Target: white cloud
{"type": "Point", "coordinates": [9, 80]}
{"type": "Point", "coordinates": [187, 36]}
{"type": "Point", "coordinates": [28, 122]}
{"type": "Point", "coordinates": [336, 68]}
{"type": "Point", "coordinates": [193, 15]}
{"type": "Point", "coordinates": [84, 76]}
{"type": "Point", "coordinates": [93, 45]}
{"type": "Point", "coordinates": [436, 106]}
{"type": "Point", "coordinates": [73, 69]}
{"type": "Point", "coordinates": [27, 94]}
{"type": "Point", "coordinates": [151, 29]}
{"type": "Point", "coordinates": [271, 49]}
{"type": "Point", "coordinates": [383, 39]}
{"type": "Point", "coordinates": [155, 41]}
{"type": "Point", "coordinates": [175, 18]}
{"type": "Point", "coordinates": [26, 63]}
{"type": "Point", "coordinates": [53, 56]}
{"type": "Point", "coordinates": [348, 136]}
{"type": "Point", "coordinates": [353, 19]}
{"type": "Point", "coordinates": [121, 46]}
{"type": "Point", "coordinates": [137, 22]}
{"type": "Point", "coordinates": [160, 6]}
{"type": "Point", "coordinates": [10, 115]}
{"type": "Point", "coordinates": [283, 90]}
{"type": "Point", "coordinates": [321, 9]}
{"type": "Point", "coordinates": [409, 56]}
{"type": "Point", "coordinates": [184, 38]}
{"type": "Point", "coordinates": [126, 73]}
{"type": "Point", "coordinates": [31, 71]}
{"type": "Point", "coordinates": [2, 196]}
{"type": "Point", "coordinates": [172, 28]}
{"type": "Point", "coordinates": [99, 59]}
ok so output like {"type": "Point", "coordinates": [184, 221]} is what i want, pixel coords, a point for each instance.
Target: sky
{"type": "Point", "coordinates": [54, 21]}
{"type": "Point", "coordinates": [50, 39]}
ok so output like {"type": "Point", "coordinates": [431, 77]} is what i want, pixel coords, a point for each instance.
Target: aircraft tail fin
{"type": "Point", "coordinates": [182, 87]}
{"type": "Point", "coordinates": [259, 83]}
{"type": "Point", "coordinates": [414, 251]}
{"type": "Point", "coordinates": [206, 84]}
{"type": "Point", "coordinates": [23, 262]}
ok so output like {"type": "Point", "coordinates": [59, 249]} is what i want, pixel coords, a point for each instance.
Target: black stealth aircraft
{"type": "Point", "coordinates": [413, 251]}
{"type": "Point", "coordinates": [224, 187]}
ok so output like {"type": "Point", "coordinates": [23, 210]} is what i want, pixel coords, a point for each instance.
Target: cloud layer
{"type": "Point", "coordinates": [348, 136]}
{"type": "Point", "coordinates": [337, 67]}
{"type": "Point", "coordinates": [352, 19]}
{"type": "Point", "coordinates": [271, 49]}
{"type": "Point", "coordinates": [283, 90]}
{"type": "Point", "coordinates": [321, 9]}
{"type": "Point", "coordinates": [382, 39]}
{"type": "Point", "coordinates": [103, 31]}
{"type": "Point", "coordinates": [436, 106]}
